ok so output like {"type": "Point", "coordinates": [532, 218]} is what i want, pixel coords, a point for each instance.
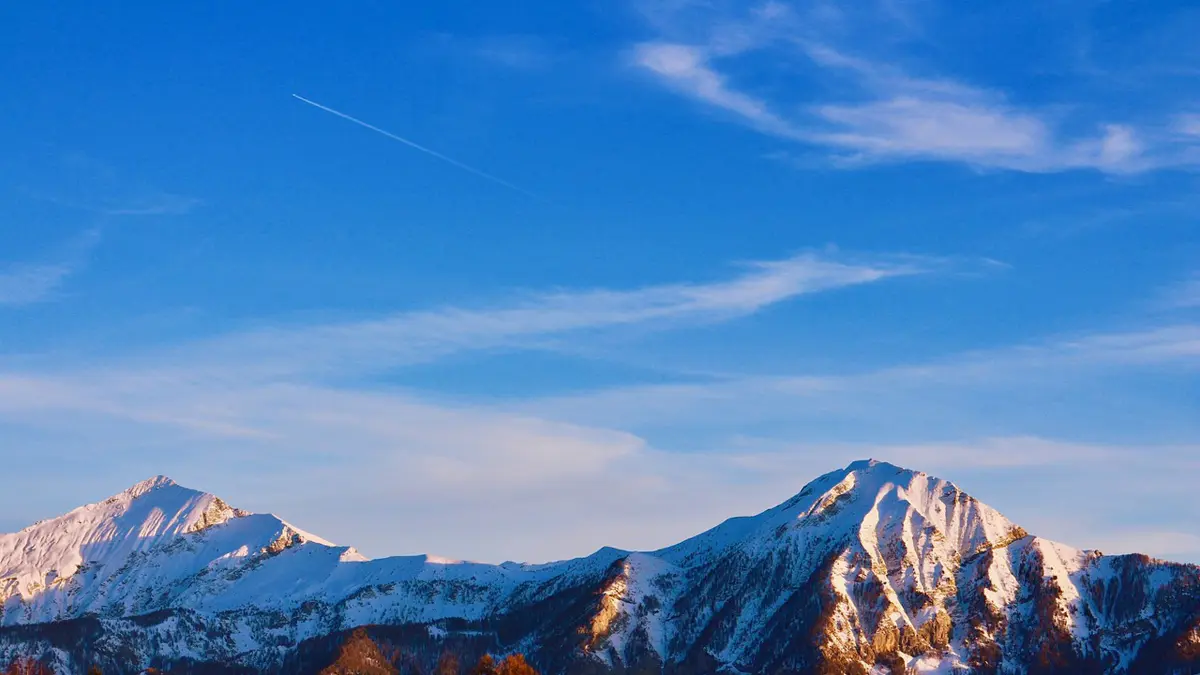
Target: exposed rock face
{"type": "Point", "coordinates": [870, 569]}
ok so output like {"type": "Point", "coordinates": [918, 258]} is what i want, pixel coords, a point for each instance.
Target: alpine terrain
{"type": "Point", "coordinates": [869, 569]}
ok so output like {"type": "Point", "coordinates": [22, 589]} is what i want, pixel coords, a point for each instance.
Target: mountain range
{"type": "Point", "coordinates": [869, 569]}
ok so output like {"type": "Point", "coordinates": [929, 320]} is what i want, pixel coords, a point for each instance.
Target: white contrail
{"type": "Point", "coordinates": [422, 148]}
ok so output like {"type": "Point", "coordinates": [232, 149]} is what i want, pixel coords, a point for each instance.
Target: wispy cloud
{"type": "Point", "coordinates": [1185, 295]}
{"type": "Point", "coordinates": [86, 184]}
{"type": "Point", "coordinates": [521, 52]}
{"type": "Point", "coordinates": [1189, 125]}
{"type": "Point", "coordinates": [300, 355]}
{"type": "Point", "coordinates": [989, 135]}
{"type": "Point", "coordinates": [24, 284]}
{"type": "Point", "coordinates": [27, 283]}
{"type": "Point", "coordinates": [511, 51]}
{"type": "Point", "coordinates": [81, 183]}
{"type": "Point", "coordinates": [906, 117]}
{"type": "Point", "coordinates": [686, 69]}
{"type": "Point", "coordinates": [150, 204]}
{"type": "Point", "coordinates": [953, 393]}
{"type": "Point", "coordinates": [414, 337]}
{"type": "Point", "coordinates": [892, 115]}
{"type": "Point", "coordinates": [133, 204]}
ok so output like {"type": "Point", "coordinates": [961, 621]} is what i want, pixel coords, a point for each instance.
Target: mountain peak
{"type": "Point", "coordinates": [861, 464]}
{"type": "Point", "coordinates": [877, 465]}
{"type": "Point", "coordinates": [149, 485]}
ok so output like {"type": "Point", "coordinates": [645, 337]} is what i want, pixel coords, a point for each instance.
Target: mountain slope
{"type": "Point", "coordinates": [871, 568]}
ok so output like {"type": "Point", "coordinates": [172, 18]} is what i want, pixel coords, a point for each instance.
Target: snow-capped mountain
{"type": "Point", "coordinates": [869, 569]}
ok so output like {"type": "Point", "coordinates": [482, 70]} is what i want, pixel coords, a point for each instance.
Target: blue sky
{"type": "Point", "coordinates": [750, 242]}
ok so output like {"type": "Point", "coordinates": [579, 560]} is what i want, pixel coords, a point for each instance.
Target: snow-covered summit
{"type": "Point", "coordinates": [863, 495]}
{"type": "Point", "coordinates": [131, 520]}
{"type": "Point", "coordinates": [131, 552]}
{"type": "Point", "coordinates": [150, 484]}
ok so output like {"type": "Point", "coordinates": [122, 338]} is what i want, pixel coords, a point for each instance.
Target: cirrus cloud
{"type": "Point", "coordinates": [892, 115]}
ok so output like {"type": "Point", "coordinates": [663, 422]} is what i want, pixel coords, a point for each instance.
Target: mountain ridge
{"type": "Point", "coordinates": [871, 567]}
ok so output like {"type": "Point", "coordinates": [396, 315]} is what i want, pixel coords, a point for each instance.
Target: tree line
{"type": "Point", "coordinates": [358, 655]}
{"type": "Point", "coordinates": [29, 666]}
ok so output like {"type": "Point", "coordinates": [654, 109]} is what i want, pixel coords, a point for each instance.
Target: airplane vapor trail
{"type": "Point", "coordinates": [417, 146]}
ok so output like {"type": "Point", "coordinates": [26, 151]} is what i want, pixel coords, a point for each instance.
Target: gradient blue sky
{"type": "Point", "coordinates": [765, 239]}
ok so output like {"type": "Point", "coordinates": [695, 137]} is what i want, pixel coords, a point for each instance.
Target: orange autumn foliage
{"type": "Point", "coordinates": [360, 655]}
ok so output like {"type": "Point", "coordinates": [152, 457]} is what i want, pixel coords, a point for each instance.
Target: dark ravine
{"type": "Point", "coordinates": [869, 569]}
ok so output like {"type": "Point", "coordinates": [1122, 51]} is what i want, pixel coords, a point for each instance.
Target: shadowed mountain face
{"type": "Point", "coordinates": [869, 569]}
